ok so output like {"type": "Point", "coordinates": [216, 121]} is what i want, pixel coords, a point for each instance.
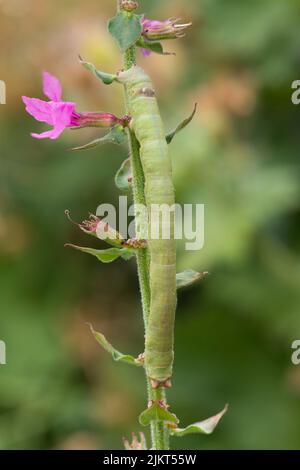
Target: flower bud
{"type": "Point", "coordinates": [98, 228]}
{"type": "Point", "coordinates": [129, 5]}
{"type": "Point", "coordinates": [159, 30]}
{"type": "Point", "coordinates": [125, 120]}
{"type": "Point", "coordinates": [102, 230]}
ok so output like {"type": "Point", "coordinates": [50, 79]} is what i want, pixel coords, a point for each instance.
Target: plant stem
{"type": "Point", "coordinates": [142, 255]}
{"type": "Point", "coordinates": [159, 430]}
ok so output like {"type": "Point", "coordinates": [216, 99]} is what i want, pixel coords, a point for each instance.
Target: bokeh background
{"type": "Point", "coordinates": [239, 157]}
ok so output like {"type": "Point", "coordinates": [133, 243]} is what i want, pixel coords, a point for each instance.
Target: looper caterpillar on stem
{"type": "Point", "coordinates": [154, 154]}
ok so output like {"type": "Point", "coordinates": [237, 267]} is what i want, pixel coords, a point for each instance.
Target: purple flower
{"type": "Point", "coordinates": [62, 114]}
{"type": "Point", "coordinates": [154, 30]}
{"type": "Point", "coordinates": [57, 113]}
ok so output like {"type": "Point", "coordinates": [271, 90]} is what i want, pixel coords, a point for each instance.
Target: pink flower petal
{"type": "Point", "coordinates": [152, 23]}
{"type": "Point", "coordinates": [146, 52]}
{"type": "Point", "coordinates": [61, 118]}
{"type": "Point", "coordinates": [51, 134]}
{"type": "Point", "coordinates": [62, 113]}
{"type": "Point", "coordinates": [40, 110]}
{"type": "Point", "coordinates": [52, 87]}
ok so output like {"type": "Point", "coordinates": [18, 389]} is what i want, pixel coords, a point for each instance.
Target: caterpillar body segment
{"type": "Point", "coordinates": [160, 198]}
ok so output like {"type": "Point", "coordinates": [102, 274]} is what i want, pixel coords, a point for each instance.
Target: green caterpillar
{"type": "Point", "coordinates": [150, 133]}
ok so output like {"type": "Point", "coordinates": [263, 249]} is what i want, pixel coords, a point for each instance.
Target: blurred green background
{"type": "Point", "coordinates": [239, 157]}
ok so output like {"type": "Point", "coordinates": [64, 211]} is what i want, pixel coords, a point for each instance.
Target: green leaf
{"type": "Point", "coordinates": [116, 355]}
{"type": "Point", "coordinates": [124, 176]}
{"type": "Point", "coordinates": [106, 78]}
{"type": "Point", "coordinates": [126, 28]}
{"type": "Point", "coordinates": [153, 46]}
{"type": "Point", "coordinates": [92, 144]}
{"type": "Point", "coordinates": [127, 253]}
{"type": "Point", "coordinates": [106, 256]}
{"type": "Point", "coordinates": [202, 427]}
{"type": "Point", "coordinates": [181, 126]}
{"type": "Point", "coordinates": [188, 277]}
{"type": "Point", "coordinates": [157, 412]}
{"type": "Point", "coordinates": [116, 136]}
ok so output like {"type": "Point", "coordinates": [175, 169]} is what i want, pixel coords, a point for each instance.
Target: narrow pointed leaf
{"type": "Point", "coordinates": [181, 126]}
{"type": "Point", "coordinates": [124, 176]}
{"type": "Point", "coordinates": [188, 277]}
{"type": "Point", "coordinates": [126, 28]}
{"type": "Point", "coordinates": [116, 355]}
{"type": "Point", "coordinates": [202, 427]}
{"type": "Point", "coordinates": [153, 46]}
{"type": "Point", "coordinates": [106, 256]}
{"type": "Point", "coordinates": [92, 144]}
{"type": "Point", "coordinates": [116, 136]}
{"type": "Point", "coordinates": [156, 412]}
{"type": "Point", "coordinates": [106, 78]}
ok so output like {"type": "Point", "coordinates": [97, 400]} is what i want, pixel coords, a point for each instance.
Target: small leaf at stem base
{"type": "Point", "coordinates": [181, 126]}
{"type": "Point", "coordinates": [116, 136]}
{"type": "Point", "coordinates": [106, 256]}
{"type": "Point", "coordinates": [116, 355]}
{"type": "Point", "coordinates": [202, 427]}
{"type": "Point", "coordinates": [106, 78]}
{"type": "Point", "coordinates": [123, 177]}
{"type": "Point", "coordinates": [188, 277]}
{"type": "Point", "coordinates": [153, 46]}
{"type": "Point", "coordinates": [157, 412]}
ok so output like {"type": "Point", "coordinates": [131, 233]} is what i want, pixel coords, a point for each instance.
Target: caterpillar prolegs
{"type": "Point", "coordinates": [159, 192]}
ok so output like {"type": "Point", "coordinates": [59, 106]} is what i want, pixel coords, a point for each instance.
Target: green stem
{"type": "Point", "coordinates": [159, 430]}
{"type": "Point", "coordinates": [139, 198]}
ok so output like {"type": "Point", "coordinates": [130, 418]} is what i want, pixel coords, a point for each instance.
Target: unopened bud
{"type": "Point", "coordinates": [102, 230]}
{"type": "Point", "coordinates": [129, 5]}
{"type": "Point", "coordinates": [99, 229]}
{"type": "Point", "coordinates": [159, 30]}
{"type": "Point", "coordinates": [135, 243]}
